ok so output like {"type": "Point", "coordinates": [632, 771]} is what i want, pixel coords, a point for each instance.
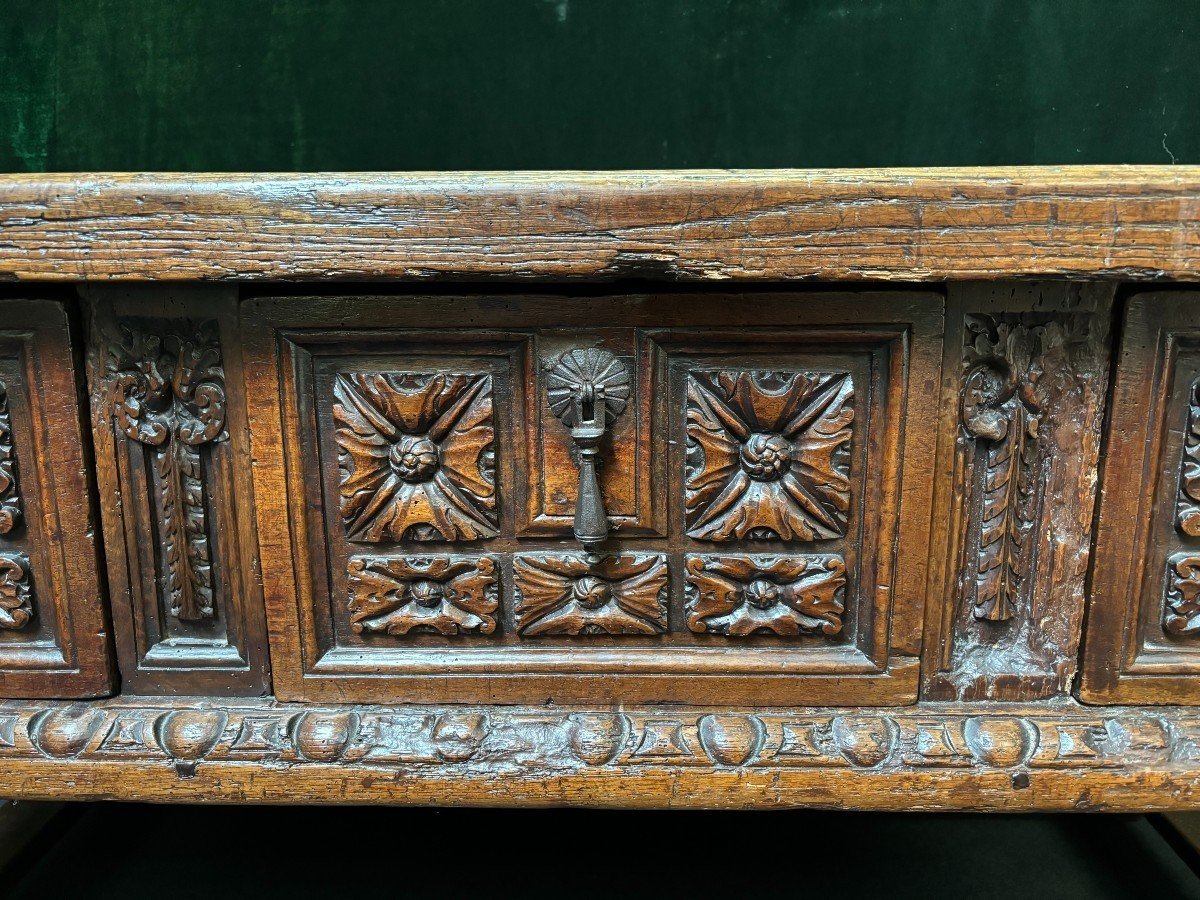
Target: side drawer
{"type": "Point", "coordinates": [766, 478]}
{"type": "Point", "coordinates": [54, 637]}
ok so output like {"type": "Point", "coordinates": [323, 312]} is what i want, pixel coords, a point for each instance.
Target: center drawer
{"type": "Point", "coordinates": [756, 530]}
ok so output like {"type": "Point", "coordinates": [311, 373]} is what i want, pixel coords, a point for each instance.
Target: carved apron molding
{"type": "Point", "coordinates": [167, 392]}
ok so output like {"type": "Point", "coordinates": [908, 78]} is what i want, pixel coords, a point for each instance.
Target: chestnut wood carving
{"type": "Point", "coordinates": [54, 633]}
{"type": "Point", "coordinates": [741, 596]}
{"type": "Point", "coordinates": [444, 595]}
{"type": "Point", "coordinates": [15, 607]}
{"type": "Point", "coordinates": [416, 456]}
{"type": "Point", "coordinates": [1142, 638]}
{"type": "Point", "coordinates": [10, 495]}
{"type": "Point", "coordinates": [767, 455]}
{"type": "Point", "coordinates": [166, 403]}
{"type": "Point", "coordinates": [588, 594]}
{"type": "Point", "coordinates": [1024, 382]}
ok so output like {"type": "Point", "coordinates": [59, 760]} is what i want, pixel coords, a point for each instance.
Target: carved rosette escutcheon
{"type": "Point", "coordinates": [416, 456]}
{"type": "Point", "coordinates": [16, 608]}
{"type": "Point", "coordinates": [784, 595]}
{"type": "Point", "coordinates": [444, 595]}
{"type": "Point", "coordinates": [1001, 412]}
{"type": "Point", "coordinates": [167, 392]}
{"type": "Point", "coordinates": [1182, 613]}
{"type": "Point", "coordinates": [583, 593]}
{"type": "Point", "coordinates": [768, 455]}
{"type": "Point", "coordinates": [1188, 518]}
{"type": "Point", "coordinates": [10, 498]}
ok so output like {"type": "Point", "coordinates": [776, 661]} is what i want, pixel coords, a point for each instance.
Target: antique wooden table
{"type": "Point", "coordinates": [874, 489]}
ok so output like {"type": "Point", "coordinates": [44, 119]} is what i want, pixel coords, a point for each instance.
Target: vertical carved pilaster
{"type": "Point", "coordinates": [167, 392]}
{"type": "Point", "coordinates": [10, 498]}
{"type": "Point", "coordinates": [1001, 410]}
{"type": "Point", "coordinates": [1188, 513]}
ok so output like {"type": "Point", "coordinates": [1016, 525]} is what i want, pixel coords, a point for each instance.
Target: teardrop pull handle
{"type": "Point", "coordinates": [588, 390]}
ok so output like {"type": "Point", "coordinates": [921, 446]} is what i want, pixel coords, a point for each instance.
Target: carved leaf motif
{"type": "Point", "coordinates": [15, 607]}
{"type": "Point", "coordinates": [768, 455]}
{"type": "Point", "coordinates": [167, 391]}
{"type": "Point", "coordinates": [1188, 520]}
{"type": "Point", "coordinates": [10, 498]}
{"type": "Point", "coordinates": [740, 596]}
{"type": "Point", "coordinates": [445, 595]}
{"type": "Point", "coordinates": [416, 457]}
{"type": "Point", "coordinates": [1002, 413]}
{"type": "Point", "coordinates": [1182, 613]}
{"type": "Point", "coordinates": [581, 593]}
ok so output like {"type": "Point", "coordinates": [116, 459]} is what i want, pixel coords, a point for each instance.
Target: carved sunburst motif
{"type": "Point", "coordinates": [785, 595]}
{"type": "Point", "coordinates": [416, 457]}
{"type": "Point", "coordinates": [442, 594]}
{"type": "Point", "coordinates": [579, 593]}
{"type": "Point", "coordinates": [768, 455]}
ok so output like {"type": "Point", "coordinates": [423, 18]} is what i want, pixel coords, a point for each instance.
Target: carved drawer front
{"type": "Point", "coordinates": [53, 631]}
{"type": "Point", "coordinates": [1143, 634]}
{"type": "Point", "coordinates": [173, 468]}
{"type": "Point", "coordinates": [527, 499]}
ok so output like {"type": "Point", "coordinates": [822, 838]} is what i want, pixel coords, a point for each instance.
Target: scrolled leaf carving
{"type": "Point", "coordinates": [1182, 613]}
{"type": "Point", "coordinates": [10, 498]}
{"type": "Point", "coordinates": [768, 455]}
{"type": "Point", "coordinates": [444, 595]}
{"type": "Point", "coordinates": [166, 389]}
{"type": "Point", "coordinates": [16, 608]}
{"type": "Point", "coordinates": [416, 456]}
{"type": "Point", "coordinates": [584, 593]}
{"type": "Point", "coordinates": [1188, 513]}
{"type": "Point", "coordinates": [739, 596]}
{"type": "Point", "coordinates": [1001, 413]}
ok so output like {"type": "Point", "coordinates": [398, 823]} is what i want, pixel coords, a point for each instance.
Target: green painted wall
{"type": "Point", "coordinates": [308, 85]}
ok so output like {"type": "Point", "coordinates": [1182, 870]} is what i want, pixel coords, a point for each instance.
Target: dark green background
{"type": "Point", "coordinates": [308, 85]}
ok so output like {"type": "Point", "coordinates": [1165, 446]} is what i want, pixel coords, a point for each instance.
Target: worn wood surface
{"type": "Point", "coordinates": [954, 756]}
{"type": "Point", "coordinates": [1025, 380]}
{"type": "Point", "coordinates": [1116, 222]}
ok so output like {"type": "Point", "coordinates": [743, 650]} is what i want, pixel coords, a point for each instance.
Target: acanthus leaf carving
{"type": "Point", "coordinates": [768, 455]}
{"type": "Point", "coordinates": [416, 456]}
{"type": "Point", "coordinates": [590, 594]}
{"type": "Point", "coordinates": [446, 595]}
{"type": "Point", "coordinates": [1188, 513]}
{"type": "Point", "coordinates": [739, 596]}
{"type": "Point", "coordinates": [10, 497]}
{"type": "Point", "coordinates": [167, 392]}
{"type": "Point", "coordinates": [16, 608]}
{"type": "Point", "coordinates": [1001, 413]}
{"type": "Point", "coordinates": [1182, 613]}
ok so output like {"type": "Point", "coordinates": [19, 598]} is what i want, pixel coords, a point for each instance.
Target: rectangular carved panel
{"type": "Point", "coordinates": [1024, 381]}
{"type": "Point", "coordinates": [54, 639]}
{"type": "Point", "coordinates": [1143, 630]}
{"type": "Point", "coordinates": [401, 444]}
{"type": "Point", "coordinates": [167, 418]}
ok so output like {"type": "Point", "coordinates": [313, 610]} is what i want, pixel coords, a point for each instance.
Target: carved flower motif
{"type": "Point", "coordinates": [768, 455]}
{"type": "Point", "coordinates": [416, 456]}
{"type": "Point", "coordinates": [784, 595]}
{"type": "Point", "coordinates": [442, 594]}
{"type": "Point", "coordinates": [576, 593]}
{"type": "Point", "coordinates": [15, 611]}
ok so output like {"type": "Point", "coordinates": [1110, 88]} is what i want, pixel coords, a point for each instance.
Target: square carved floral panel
{"type": "Point", "coordinates": [444, 595]}
{"type": "Point", "coordinates": [415, 452]}
{"type": "Point", "coordinates": [739, 596]}
{"type": "Point", "coordinates": [581, 593]}
{"type": "Point", "coordinates": [768, 455]}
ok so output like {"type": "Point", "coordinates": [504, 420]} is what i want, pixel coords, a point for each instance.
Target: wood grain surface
{"type": "Point", "coordinates": [1118, 222]}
